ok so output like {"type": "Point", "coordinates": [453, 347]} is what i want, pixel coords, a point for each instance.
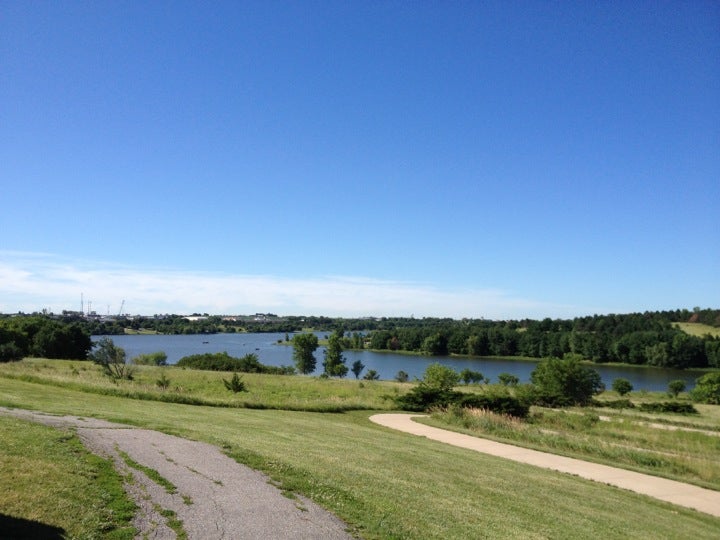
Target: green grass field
{"type": "Point", "coordinates": [48, 479]}
{"type": "Point", "coordinates": [385, 484]}
{"type": "Point", "coordinates": [698, 329]}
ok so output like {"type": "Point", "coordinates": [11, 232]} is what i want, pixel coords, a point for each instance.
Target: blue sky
{"type": "Point", "coordinates": [464, 159]}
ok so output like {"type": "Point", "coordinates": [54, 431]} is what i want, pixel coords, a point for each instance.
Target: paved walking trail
{"type": "Point", "coordinates": [701, 499]}
{"type": "Point", "coordinates": [217, 498]}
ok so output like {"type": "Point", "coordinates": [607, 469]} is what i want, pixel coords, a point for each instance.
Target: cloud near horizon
{"type": "Point", "coordinates": [32, 282]}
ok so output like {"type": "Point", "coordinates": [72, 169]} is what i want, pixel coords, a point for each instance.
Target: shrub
{"type": "Point", "coordinates": [508, 379]}
{"type": "Point", "coordinates": [707, 389]}
{"type": "Point", "coordinates": [224, 362]}
{"type": "Point", "coordinates": [622, 386]}
{"type": "Point", "coordinates": [112, 359]}
{"type": "Point", "coordinates": [613, 403]}
{"type": "Point", "coordinates": [468, 376]}
{"type": "Point", "coordinates": [371, 375]}
{"type": "Point", "coordinates": [163, 383]}
{"type": "Point", "coordinates": [675, 387]}
{"type": "Point", "coordinates": [424, 397]}
{"type": "Point", "coordinates": [441, 377]}
{"type": "Point", "coordinates": [559, 383]}
{"type": "Point", "coordinates": [402, 376]}
{"type": "Point", "coordinates": [668, 407]}
{"type": "Point", "coordinates": [236, 384]}
{"type": "Point", "coordinates": [151, 359]}
{"type": "Point", "coordinates": [497, 403]}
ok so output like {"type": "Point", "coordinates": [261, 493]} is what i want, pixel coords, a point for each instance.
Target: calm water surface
{"type": "Point", "coordinates": [386, 364]}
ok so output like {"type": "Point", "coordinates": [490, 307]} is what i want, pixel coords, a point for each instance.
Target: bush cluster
{"type": "Point", "coordinates": [668, 407]}
{"type": "Point", "coordinates": [424, 397]}
{"type": "Point", "coordinates": [224, 362]}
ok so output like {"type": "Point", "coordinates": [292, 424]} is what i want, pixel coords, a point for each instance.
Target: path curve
{"type": "Point", "coordinates": [217, 497]}
{"type": "Point", "coordinates": [679, 493]}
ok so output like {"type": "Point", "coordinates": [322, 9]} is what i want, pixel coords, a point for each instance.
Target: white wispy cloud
{"type": "Point", "coordinates": [32, 282]}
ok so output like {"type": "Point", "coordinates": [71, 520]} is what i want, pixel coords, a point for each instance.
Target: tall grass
{"type": "Point", "coordinates": [194, 387]}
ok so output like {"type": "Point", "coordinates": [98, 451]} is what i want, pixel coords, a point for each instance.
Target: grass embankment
{"type": "Point", "coordinates": [51, 487]}
{"type": "Point", "coordinates": [194, 387]}
{"type": "Point", "coordinates": [387, 484]}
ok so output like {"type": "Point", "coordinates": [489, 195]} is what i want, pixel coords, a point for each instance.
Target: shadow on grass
{"type": "Point", "coordinates": [13, 528]}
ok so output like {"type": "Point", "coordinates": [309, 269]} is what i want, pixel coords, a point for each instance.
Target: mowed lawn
{"type": "Point", "coordinates": [387, 484]}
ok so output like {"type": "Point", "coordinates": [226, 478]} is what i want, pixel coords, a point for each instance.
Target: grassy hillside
{"type": "Point", "coordinates": [698, 329]}
{"type": "Point", "coordinates": [388, 484]}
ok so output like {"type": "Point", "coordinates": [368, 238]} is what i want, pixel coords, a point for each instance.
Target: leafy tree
{"type": "Point", "coordinates": [622, 386]}
{"type": "Point", "coordinates": [707, 389]}
{"type": "Point", "coordinates": [676, 386]}
{"type": "Point", "coordinates": [371, 375]}
{"type": "Point", "coordinates": [508, 379]}
{"type": "Point", "coordinates": [112, 359]}
{"type": "Point", "coordinates": [565, 382]}
{"type": "Point", "coordinates": [236, 384]}
{"type": "Point", "coordinates": [10, 352]}
{"type": "Point", "coordinates": [357, 368]}
{"type": "Point", "coordinates": [435, 345]}
{"type": "Point", "coordinates": [402, 376]}
{"type": "Point", "coordinates": [334, 363]}
{"type": "Point", "coordinates": [57, 340]}
{"type": "Point", "coordinates": [440, 377]}
{"type": "Point", "coordinates": [478, 344]}
{"type": "Point", "coordinates": [304, 347]}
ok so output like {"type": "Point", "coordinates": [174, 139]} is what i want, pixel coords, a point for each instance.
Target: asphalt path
{"type": "Point", "coordinates": [681, 494]}
{"type": "Point", "coordinates": [216, 498]}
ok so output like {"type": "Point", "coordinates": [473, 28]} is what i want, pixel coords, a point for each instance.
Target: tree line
{"type": "Point", "coordinates": [648, 338]}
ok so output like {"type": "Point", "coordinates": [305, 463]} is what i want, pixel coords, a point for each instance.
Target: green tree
{"type": "Point", "coordinates": [334, 363]}
{"type": "Point", "coordinates": [440, 377]}
{"type": "Point", "coordinates": [402, 376]}
{"type": "Point", "coordinates": [676, 386]}
{"type": "Point", "coordinates": [112, 359]}
{"type": "Point", "coordinates": [58, 340]}
{"type": "Point", "coordinates": [357, 368]}
{"type": "Point", "coordinates": [435, 345]}
{"type": "Point", "coordinates": [622, 386]}
{"type": "Point", "coordinates": [565, 382]}
{"type": "Point", "coordinates": [304, 347]}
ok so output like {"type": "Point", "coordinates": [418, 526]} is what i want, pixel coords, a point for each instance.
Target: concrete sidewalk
{"type": "Point", "coordinates": [689, 496]}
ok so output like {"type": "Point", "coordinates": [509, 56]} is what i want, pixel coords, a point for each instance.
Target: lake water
{"type": "Point", "coordinates": [386, 364]}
